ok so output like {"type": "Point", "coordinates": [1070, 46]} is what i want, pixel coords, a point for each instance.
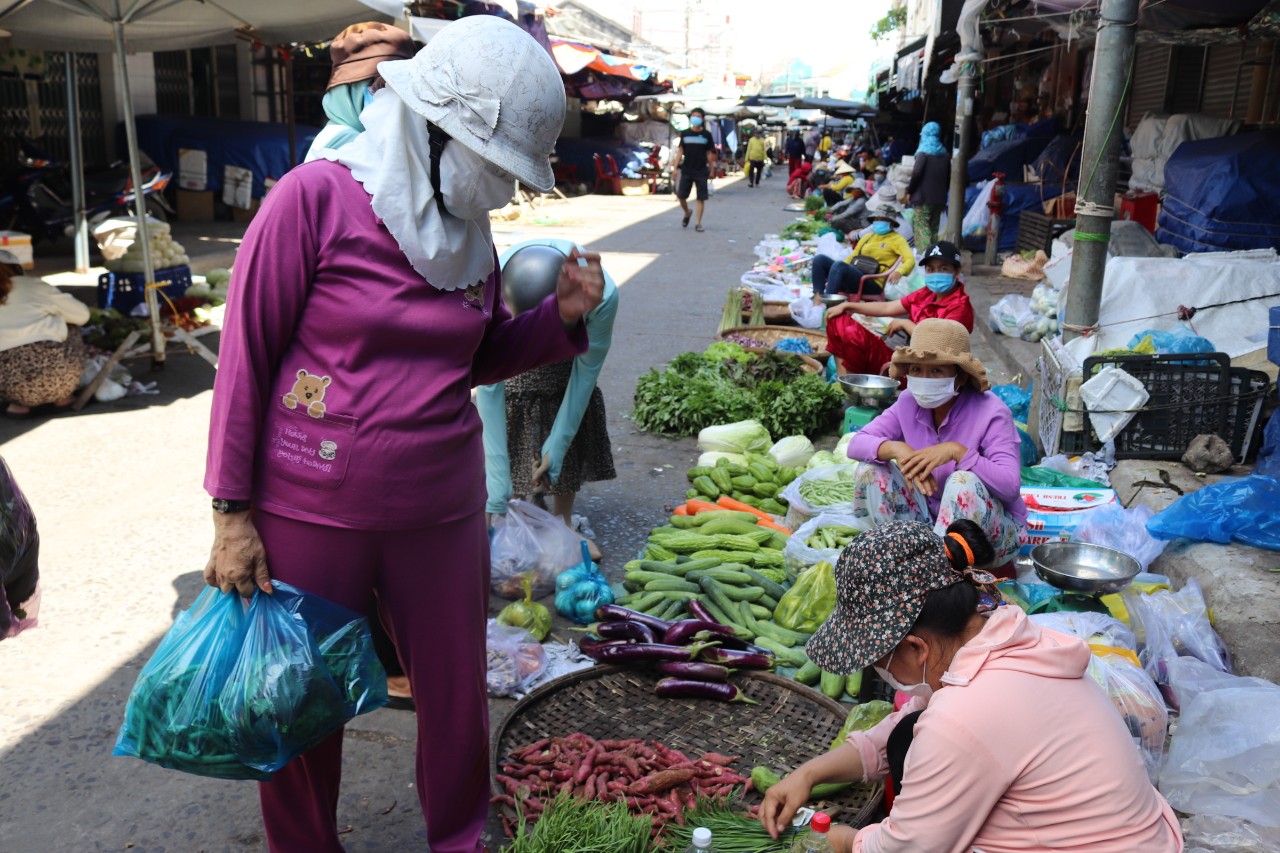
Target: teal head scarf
{"type": "Point", "coordinates": [342, 104]}
{"type": "Point", "coordinates": [930, 143]}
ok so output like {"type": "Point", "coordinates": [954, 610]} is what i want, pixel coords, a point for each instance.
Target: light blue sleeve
{"type": "Point", "coordinates": [582, 379]}
{"type": "Point", "coordinates": [491, 402]}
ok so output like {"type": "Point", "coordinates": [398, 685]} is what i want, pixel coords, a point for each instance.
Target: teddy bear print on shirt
{"type": "Point", "coordinates": [308, 390]}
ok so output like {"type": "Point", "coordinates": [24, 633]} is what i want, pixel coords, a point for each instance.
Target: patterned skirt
{"type": "Point", "coordinates": [42, 372]}
{"type": "Point", "coordinates": [533, 400]}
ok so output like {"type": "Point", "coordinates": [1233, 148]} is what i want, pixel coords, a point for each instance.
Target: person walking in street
{"type": "Point", "coordinates": [355, 54]}
{"type": "Point", "coordinates": [695, 158]}
{"type": "Point", "coordinates": [41, 349]}
{"type": "Point", "coordinates": [549, 422]}
{"type": "Point", "coordinates": [345, 456]}
{"type": "Point", "coordinates": [930, 181]}
{"type": "Point", "coordinates": [755, 159]}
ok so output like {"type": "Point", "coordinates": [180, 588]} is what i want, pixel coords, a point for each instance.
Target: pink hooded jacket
{"type": "Point", "coordinates": [1019, 752]}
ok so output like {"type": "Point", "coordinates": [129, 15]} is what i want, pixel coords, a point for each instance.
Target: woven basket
{"type": "Point", "coordinates": [772, 334]}
{"type": "Point", "coordinates": [792, 723]}
{"type": "Point", "coordinates": [775, 314]}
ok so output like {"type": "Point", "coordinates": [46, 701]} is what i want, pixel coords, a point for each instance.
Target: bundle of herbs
{"type": "Point", "coordinates": [696, 391]}
{"type": "Point", "coordinates": [732, 829]}
{"type": "Point", "coordinates": [572, 824]}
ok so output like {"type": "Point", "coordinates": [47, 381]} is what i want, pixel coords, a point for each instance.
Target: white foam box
{"type": "Point", "coordinates": [20, 245]}
{"type": "Point", "coordinates": [1053, 514]}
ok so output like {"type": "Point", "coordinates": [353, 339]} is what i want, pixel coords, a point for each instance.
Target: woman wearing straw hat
{"type": "Point", "coordinates": [842, 178]}
{"type": "Point", "coordinates": [1005, 744]}
{"type": "Point", "coordinates": [345, 454]}
{"type": "Point", "coordinates": [947, 449]}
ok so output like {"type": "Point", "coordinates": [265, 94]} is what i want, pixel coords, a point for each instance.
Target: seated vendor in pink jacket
{"type": "Point", "coordinates": [1006, 746]}
{"type": "Point", "coordinates": [947, 449]}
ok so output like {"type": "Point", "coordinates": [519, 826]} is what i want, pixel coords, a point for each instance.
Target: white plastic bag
{"type": "Point", "coordinates": [801, 510]}
{"type": "Point", "coordinates": [1189, 677]}
{"type": "Point", "coordinates": [799, 556]}
{"type": "Point", "coordinates": [1091, 627]}
{"type": "Point", "coordinates": [1009, 314]}
{"type": "Point", "coordinates": [1125, 530]}
{"type": "Point", "coordinates": [1224, 757]}
{"type": "Point", "coordinates": [1171, 623]}
{"type": "Point", "coordinates": [808, 315]}
{"type": "Point", "coordinates": [1139, 703]}
{"type": "Point", "coordinates": [515, 659]}
{"type": "Point", "coordinates": [531, 540]}
{"type": "Point", "coordinates": [829, 244]}
{"type": "Point", "coordinates": [978, 216]}
{"type": "Point", "coordinates": [1215, 834]}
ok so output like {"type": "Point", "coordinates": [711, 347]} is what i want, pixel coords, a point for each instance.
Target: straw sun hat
{"type": "Point", "coordinates": [940, 342]}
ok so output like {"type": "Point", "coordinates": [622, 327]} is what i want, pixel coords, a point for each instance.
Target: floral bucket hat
{"type": "Point", "coordinates": [882, 578]}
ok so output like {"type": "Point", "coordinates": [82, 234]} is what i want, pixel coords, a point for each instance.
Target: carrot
{"type": "Point", "coordinates": [695, 506]}
{"type": "Point", "coordinates": [680, 510]}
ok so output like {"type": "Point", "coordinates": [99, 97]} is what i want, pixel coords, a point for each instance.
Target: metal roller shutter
{"type": "Point", "coordinates": [1150, 82]}
{"type": "Point", "coordinates": [1226, 86]}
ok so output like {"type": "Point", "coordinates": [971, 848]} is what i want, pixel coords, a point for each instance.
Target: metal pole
{"type": "Point", "coordinates": [965, 88]}
{"type": "Point", "coordinates": [139, 200]}
{"type": "Point", "coordinates": [80, 224]}
{"type": "Point", "coordinates": [288, 107]}
{"type": "Point", "coordinates": [1099, 161]}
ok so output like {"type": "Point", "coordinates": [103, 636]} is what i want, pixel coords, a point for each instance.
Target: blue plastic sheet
{"type": "Point", "coordinates": [1222, 194]}
{"type": "Point", "coordinates": [1240, 509]}
{"type": "Point", "coordinates": [236, 694]}
{"type": "Point", "coordinates": [1017, 198]}
{"type": "Point", "coordinates": [1017, 398]}
{"type": "Point", "coordinates": [1173, 342]}
{"type": "Point", "coordinates": [1268, 464]}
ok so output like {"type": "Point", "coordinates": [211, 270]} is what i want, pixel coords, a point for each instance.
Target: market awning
{"type": "Point", "coordinates": [572, 58]}
{"type": "Point", "coordinates": [830, 106]}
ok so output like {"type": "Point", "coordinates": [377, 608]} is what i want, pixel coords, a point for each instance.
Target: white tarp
{"type": "Point", "coordinates": [1156, 138]}
{"type": "Point", "coordinates": [1135, 289]}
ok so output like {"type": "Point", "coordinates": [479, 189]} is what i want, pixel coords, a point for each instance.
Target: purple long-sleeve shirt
{"type": "Point", "coordinates": [982, 423]}
{"type": "Point", "coordinates": [343, 394]}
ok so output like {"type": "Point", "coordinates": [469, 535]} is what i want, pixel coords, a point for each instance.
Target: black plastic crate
{"type": "Point", "coordinates": [1191, 395]}
{"type": "Point", "coordinates": [123, 291]}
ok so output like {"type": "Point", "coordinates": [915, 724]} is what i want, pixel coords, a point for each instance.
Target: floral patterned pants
{"type": "Point", "coordinates": [882, 494]}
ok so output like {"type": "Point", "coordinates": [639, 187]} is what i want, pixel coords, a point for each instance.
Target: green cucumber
{"type": "Point", "coordinates": [786, 654]}
{"type": "Point", "coordinates": [670, 585]}
{"type": "Point", "coordinates": [771, 589]}
{"type": "Point", "coordinates": [832, 685]}
{"type": "Point", "coordinates": [810, 673]}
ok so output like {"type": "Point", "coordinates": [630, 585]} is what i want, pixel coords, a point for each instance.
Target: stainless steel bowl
{"type": "Point", "coordinates": [868, 389]}
{"type": "Point", "coordinates": [1081, 567]}
{"type": "Point", "coordinates": [833, 299]}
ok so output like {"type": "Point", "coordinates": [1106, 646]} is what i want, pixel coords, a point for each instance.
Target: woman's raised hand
{"type": "Point", "coordinates": [580, 286]}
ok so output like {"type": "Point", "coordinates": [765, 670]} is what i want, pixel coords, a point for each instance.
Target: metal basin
{"type": "Point", "coordinates": [833, 299]}
{"type": "Point", "coordinates": [1081, 567]}
{"type": "Point", "coordinates": [868, 389]}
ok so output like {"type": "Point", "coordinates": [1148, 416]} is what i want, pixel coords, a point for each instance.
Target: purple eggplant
{"type": "Point", "coordinates": [694, 670]}
{"type": "Point", "coordinates": [637, 631]}
{"type": "Point", "coordinates": [617, 613]}
{"type": "Point", "coordinates": [648, 653]}
{"type": "Point", "coordinates": [729, 641]}
{"type": "Point", "coordinates": [675, 687]}
{"type": "Point", "coordinates": [735, 658]}
{"type": "Point", "coordinates": [682, 633]}
{"type": "Point", "coordinates": [698, 610]}
{"type": "Point", "coordinates": [593, 647]}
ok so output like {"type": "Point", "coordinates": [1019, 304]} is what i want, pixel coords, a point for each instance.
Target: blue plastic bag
{"type": "Point", "coordinates": [1016, 398]}
{"type": "Point", "coordinates": [305, 668]}
{"type": "Point", "coordinates": [173, 718]}
{"type": "Point", "coordinates": [1244, 509]}
{"type": "Point", "coordinates": [235, 694]}
{"type": "Point", "coordinates": [1175, 342]}
{"type": "Point", "coordinates": [1269, 456]}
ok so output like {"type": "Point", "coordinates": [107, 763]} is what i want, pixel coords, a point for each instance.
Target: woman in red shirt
{"type": "Point", "coordinates": [798, 182]}
{"type": "Point", "coordinates": [862, 351]}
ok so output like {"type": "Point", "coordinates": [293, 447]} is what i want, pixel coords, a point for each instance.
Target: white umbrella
{"type": "Point", "coordinates": [100, 26]}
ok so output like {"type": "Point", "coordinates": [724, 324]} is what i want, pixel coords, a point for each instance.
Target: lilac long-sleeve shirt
{"type": "Point", "coordinates": [982, 423]}
{"type": "Point", "coordinates": [343, 394]}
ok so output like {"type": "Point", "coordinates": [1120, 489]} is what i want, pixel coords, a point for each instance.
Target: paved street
{"type": "Point", "coordinates": [125, 529]}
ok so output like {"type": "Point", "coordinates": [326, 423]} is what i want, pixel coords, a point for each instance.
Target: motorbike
{"type": "Point", "coordinates": [40, 201]}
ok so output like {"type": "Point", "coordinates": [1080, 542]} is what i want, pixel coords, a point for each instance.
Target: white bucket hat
{"type": "Point", "coordinates": [487, 84]}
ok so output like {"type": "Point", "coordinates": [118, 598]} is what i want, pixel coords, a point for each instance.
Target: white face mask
{"type": "Point", "coordinates": [932, 393]}
{"type": "Point", "coordinates": [471, 186]}
{"type": "Point", "coordinates": [921, 690]}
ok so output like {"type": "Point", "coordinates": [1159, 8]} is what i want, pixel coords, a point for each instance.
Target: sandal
{"type": "Point", "coordinates": [684, 223]}
{"type": "Point", "coordinates": [698, 228]}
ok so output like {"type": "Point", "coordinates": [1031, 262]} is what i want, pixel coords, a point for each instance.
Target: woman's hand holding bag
{"type": "Point", "coordinates": [238, 558]}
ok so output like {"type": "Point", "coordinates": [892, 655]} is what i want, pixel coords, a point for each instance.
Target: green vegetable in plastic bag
{"type": "Point", "coordinates": [810, 601]}
{"type": "Point", "coordinates": [861, 718]}
{"type": "Point", "coordinates": [527, 614]}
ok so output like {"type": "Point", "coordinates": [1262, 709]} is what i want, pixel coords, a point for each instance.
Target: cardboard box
{"type": "Point", "coordinates": [241, 215]}
{"type": "Point", "coordinates": [20, 245]}
{"type": "Point", "coordinates": [1054, 514]}
{"type": "Point", "coordinates": [635, 186]}
{"type": "Point", "coordinates": [195, 206]}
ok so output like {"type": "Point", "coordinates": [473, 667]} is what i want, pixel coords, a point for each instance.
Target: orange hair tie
{"type": "Point", "coordinates": [968, 552]}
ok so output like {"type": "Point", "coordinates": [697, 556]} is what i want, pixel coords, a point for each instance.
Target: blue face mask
{"type": "Point", "coordinates": [880, 227]}
{"type": "Point", "coordinates": [695, 121]}
{"type": "Point", "coordinates": [939, 282]}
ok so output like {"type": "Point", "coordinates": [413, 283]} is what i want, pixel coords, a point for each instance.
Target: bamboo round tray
{"type": "Point", "coordinates": [772, 334]}
{"type": "Point", "coordinates": [792, 723]}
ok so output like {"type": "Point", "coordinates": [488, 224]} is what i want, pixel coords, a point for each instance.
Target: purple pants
{"type": "Point", "coordinates": [433, 589]}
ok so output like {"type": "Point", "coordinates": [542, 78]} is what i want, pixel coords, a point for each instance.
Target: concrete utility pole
{"type": "Point", "coordinates": [965, 88]}
{"type": "Point", "coordinates": [1112, 74]}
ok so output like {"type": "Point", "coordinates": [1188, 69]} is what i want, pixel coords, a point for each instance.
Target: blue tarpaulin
{"type": "Point", "coordinates": [1017, 198]}
{"type": "Point", "coordinates": [1010, 156]}
{"type": "Point", "coordinates": [1223, 194]}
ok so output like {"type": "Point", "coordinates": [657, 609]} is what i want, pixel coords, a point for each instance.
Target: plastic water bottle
{"type": "Point", "coordinates": [816, 840]}
{"type": "Point", "coordinates": [701, 841]}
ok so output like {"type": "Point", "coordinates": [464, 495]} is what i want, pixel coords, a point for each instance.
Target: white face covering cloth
{"type": "Point", "coordinates": [470, 185]}
{"type": "Point", "coordinates": [932, 393]}
{"type": "Point", "coordinates": [392, 160]}
{"type": "Point", "coordinates": [922, 690]}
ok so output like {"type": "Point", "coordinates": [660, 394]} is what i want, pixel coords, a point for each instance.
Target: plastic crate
{"type": "Point", "coordinates": [1191, 395]}
{"type": "Point", "coordinates": [123, 291]}
{"type": "Point", "coordinates": [1061, 422]}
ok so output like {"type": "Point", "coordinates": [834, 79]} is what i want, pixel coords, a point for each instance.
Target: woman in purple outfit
{"type": "Point", "coordinates": [344, 452]}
